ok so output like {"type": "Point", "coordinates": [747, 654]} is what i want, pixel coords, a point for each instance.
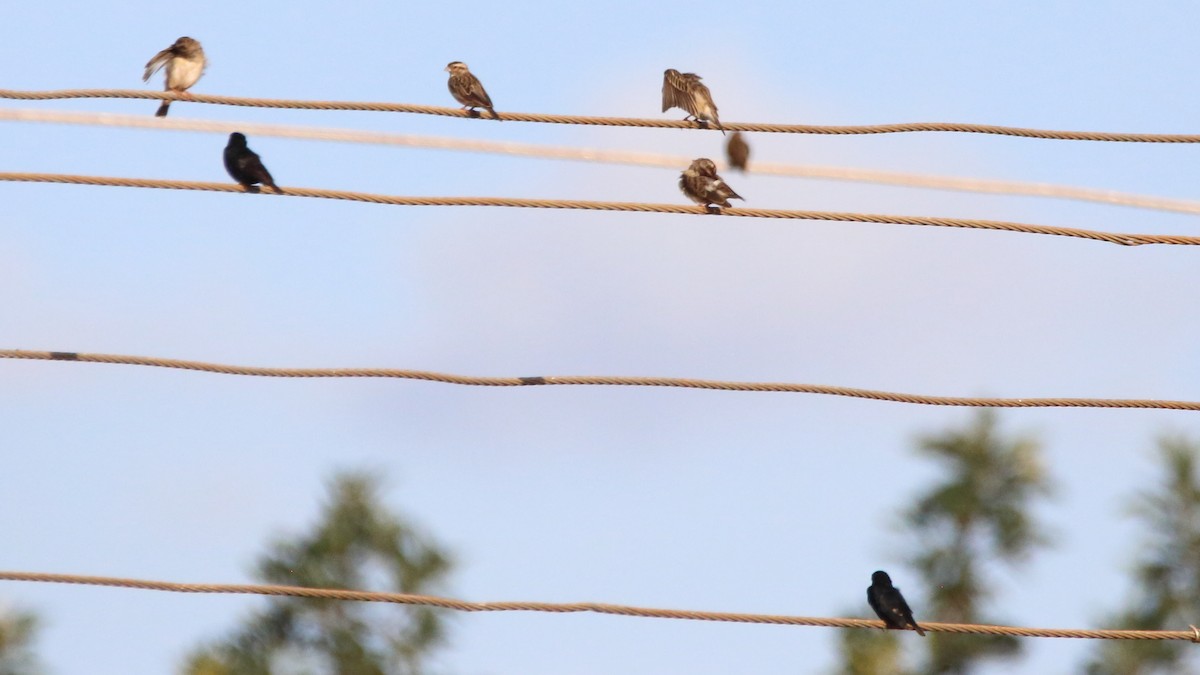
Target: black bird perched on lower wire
{"type": "Point", "coordinates": [887, 602]}
{"type": "Point", "coordinates": [244, 165]}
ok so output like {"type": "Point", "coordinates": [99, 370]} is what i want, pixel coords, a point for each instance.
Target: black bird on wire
{"type": "Point", "coordinates": [468, 90]}
{"type": "Point", "coordinates": [244, 165]}
{"type": "Point", "coordinates": [887, 602]}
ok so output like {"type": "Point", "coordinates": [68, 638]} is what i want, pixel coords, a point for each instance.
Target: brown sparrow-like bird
{"type": "Point", "coordinates": [468, 90]}
{"type": "Point", "coordinates": [686, 92]}
{"type": "Point", "coordinates": [738, 151]}
{"type": "Point", "coordinates": [702, 185]}
{"type": "Point", "coordinates": [244, 165]}
{"type": "Point", "coordinates": [185, 63]}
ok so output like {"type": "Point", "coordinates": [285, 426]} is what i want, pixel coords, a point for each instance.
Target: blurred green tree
{"type": "Point", "coordinates": [356, 544]}
{"type": "Point", "coordinates": [981, 511]}
{"type": "Point", "coordinates": [869, 652]}
{"type": "Point", "coordinates": [18, 630]}
{"type": "Point", "coordinates": [1166, 576]}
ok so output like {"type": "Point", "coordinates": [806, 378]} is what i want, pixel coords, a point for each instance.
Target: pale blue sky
{"type": "Point", "coordinates": [689, 499]}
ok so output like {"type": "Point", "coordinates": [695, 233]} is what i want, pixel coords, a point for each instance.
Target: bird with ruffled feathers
{"type": "Point", "coordinates": [686, 92]}
{"type": "Point", "coordinates": [702, 185]}
{"type": "Point", "coordinates": [184, 62]}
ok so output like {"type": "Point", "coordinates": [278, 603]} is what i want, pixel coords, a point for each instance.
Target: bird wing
{"type": "Point", "coordinates": [726, 191]}
{"type": "Point", "coordinates": [904, 611]}
{"type": "Point", "coordinates": [160, 59]}
{"type": "Point", "coordinates": [702, 102]}
{"type": "Point", "coordinates": [701, 93]}
{"type": "Point", "coordinates": [676, 91]}
{"type": "Point", "coordinates": [873, 601]}
{"type": "Point", "coordinates": [247, 168]}
{"type": "Point", "coordinates": [476, 92]}
{"type": "Point", "coordinates": [887, 604]}
{"type": "Point", "coordinates": [253, 165]}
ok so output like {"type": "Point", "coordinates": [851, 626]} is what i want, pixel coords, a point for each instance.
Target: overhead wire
{"type": "Point", "coordinates": [1121, 239]}
{"type": "Point", "coordinates": [955, 127]}
{"type": "Point", "coordinates": [645, 159]}
{"type": "Point", "coordinates": [1192, 635]}
{"type": "Point", "coordinates": [602, 380]}
{"type": "Point", "coordinates": [625, 157]}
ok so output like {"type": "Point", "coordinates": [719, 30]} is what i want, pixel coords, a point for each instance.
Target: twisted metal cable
{"type": "Point", "coordinates": [636, 207]}
{"type": "Point", "coordinates": [604, 121]}
{"type": "Point", "coordinates": [596, 607]}
{"type": "Point", "coordinates": [625, 157]}
{"type": "Point", "coordinates": [603, 380]}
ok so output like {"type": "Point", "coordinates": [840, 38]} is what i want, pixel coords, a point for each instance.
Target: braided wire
{"type": "Point", "coordinates": [957, 127]}
{"type": "Point", "coordinates": [635, 207]}
{"type": "Point", "coordinates": [574, 607]}
{"type": "Point", "coordinates": [603, 380]}
{"type": "Point", "coordinates": [626, 157]}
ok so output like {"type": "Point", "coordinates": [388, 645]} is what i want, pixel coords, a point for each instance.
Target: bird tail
{"type": "Point", "coordinates": [495, 115]}
{"type": "Point", "coordinates": [162, 109]}
{"type": "Point", "coordinates": [920, 631]}
{"type": "Point", "coordinates": [268, 180]}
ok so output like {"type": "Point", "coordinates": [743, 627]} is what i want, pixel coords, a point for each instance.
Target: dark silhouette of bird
{"type": "Point", "coordinates": [244, 165]}
{"type": "Point", "coordinates": [738, 151]}
{"type": "Point", "coordinates": [184, 62]}
{"type": "Point", "coordinates": [702, 185]}
{"type": "Point", "coordinates": [887, 602]}
{"type": "Point", "coordinates": [686, 92]}
{"type": "Point", "coordinates": [468, 90]}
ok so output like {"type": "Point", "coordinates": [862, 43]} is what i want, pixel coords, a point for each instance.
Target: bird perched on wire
{"type": "Point", "coordinates": [887, 602]}
{"type": "Point", "coordinates": [738, 151]}
{"type": "Point", "coordinates": [184, 62]}
{"type": "Point", "coordinates": [702, 185]}
{"type": "Point", "coordinates": [244, 165]}
{"type": "Point", "coordinates": [686, 92]}
{"type": "Point", "coordinates": [468, 90]}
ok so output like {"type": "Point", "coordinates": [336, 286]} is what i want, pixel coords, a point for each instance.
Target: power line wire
{"type": "Point", "coordinates": [675, 162]}
{"type": "Point", "coordinates": [605, 121]}
{"type": "Point", "coordinates": [1192, 635]}
{"type": "Point", "coordinates": [602, 380]}
{"type": "Point", "coordinates": [1120, 239]}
